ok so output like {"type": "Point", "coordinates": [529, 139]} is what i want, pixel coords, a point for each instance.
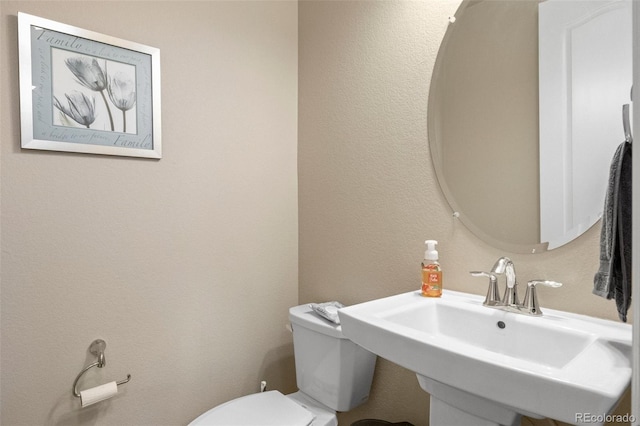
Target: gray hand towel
{"type": "Point", "coordinates": [613, 279]}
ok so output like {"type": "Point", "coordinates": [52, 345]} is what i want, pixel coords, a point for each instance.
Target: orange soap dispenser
{"type": "Point", "coordinates": [431, 272]}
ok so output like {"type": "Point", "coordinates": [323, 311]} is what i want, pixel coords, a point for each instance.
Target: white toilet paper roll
{"type": "Point", "coordinates": [99, 393]}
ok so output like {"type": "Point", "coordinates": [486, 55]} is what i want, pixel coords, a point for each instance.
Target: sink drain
{"type": "Point", "coordinates": [501, 324]}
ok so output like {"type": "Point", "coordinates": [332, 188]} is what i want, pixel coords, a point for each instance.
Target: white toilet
{"type": "Point", "coordinates": [333, 374]}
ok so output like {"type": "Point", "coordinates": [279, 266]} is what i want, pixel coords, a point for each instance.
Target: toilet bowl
{"type": "Point", "coordinates": [333, 374]}
{"type": "Point", "coordinates": [269, 409]}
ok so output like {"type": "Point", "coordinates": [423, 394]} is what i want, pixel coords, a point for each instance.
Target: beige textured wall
{"type": "Point", "coordinates": [368, 194]}
{"type": "Point", "coordinates": [185, 266]}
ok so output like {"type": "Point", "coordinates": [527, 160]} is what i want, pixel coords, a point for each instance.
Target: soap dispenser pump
{"type": "Point", "coordinates": [431, 272]}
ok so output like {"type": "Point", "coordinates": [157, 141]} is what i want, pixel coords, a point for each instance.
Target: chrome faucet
{"type": "Point", "coordinates": [510, 302]}
{"type": "Point", "coordinates": [505, 266]}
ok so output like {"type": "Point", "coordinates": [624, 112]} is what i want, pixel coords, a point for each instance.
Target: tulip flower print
{"type": "Point", "coordinates": [90, 74]}
{"type": "Point", "coordinates": [114, 80]}
{"type": "Point", "coordinates": [122, 92]}
{"type": "Point", "coordinates": [79, 107]}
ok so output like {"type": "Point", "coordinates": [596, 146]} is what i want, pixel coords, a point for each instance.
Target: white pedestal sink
{"type": "Point", "coordinates": [484, 366]}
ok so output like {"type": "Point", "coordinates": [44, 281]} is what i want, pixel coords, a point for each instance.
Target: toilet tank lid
{"type": "Point", "coordinates": [304, 316]}
{"type": "Point", "coordinates": [266, 409]}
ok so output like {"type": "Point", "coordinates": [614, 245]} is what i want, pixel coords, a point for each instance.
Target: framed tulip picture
{"type": "Point", "coordinates": [82, 91]}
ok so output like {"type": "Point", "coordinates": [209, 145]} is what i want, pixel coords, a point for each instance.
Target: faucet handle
{"type": "Point", "coordinates": [547, 283]}
{"type": "Point", "coordinates": [493, 294]}
{"type": "Point", "coordinates": [530, 304]}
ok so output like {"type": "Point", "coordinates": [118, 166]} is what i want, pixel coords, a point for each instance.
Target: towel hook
{"type": "Point", "coordinates": [626, 123]}
{"type": "Point", "coordinates": [96, 348]}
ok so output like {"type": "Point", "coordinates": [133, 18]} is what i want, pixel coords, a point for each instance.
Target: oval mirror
{"type": "Point", "coordinates": [525, 113]}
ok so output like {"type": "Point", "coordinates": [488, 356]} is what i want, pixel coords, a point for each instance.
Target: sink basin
{"type": "Point", "coordinates": [559, 365]}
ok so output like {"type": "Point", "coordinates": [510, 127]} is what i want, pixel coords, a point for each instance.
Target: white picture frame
{"type": "Point", "coordinates": [86, 92]}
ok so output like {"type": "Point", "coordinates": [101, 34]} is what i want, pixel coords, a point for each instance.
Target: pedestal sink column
{"type": "Point", "coordinates": [443, 414]}
{"type": "Point", "coordinates": [450, 406]}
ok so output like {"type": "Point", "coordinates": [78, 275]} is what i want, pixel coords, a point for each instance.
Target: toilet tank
{"type": "Point", "coordinates": [329, 367]}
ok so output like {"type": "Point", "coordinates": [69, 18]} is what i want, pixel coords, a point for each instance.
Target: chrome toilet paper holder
{"type": "Point", "coordinates": [96, 348]}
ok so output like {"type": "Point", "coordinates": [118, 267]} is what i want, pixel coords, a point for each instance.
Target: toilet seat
{"type": "Point", "coordinates": [265, 409]}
